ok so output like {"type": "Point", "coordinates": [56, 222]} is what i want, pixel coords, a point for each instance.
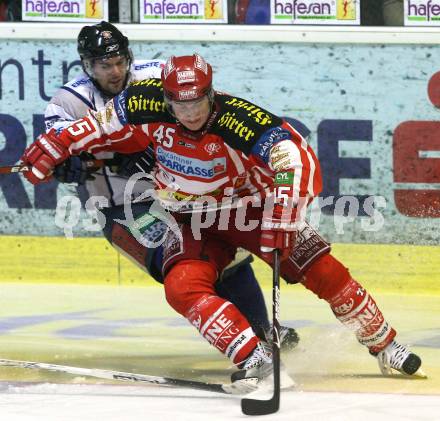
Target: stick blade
{"type": "Point", "coordinates": [260, 407]}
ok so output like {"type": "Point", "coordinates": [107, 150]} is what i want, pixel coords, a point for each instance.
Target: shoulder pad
{"type": "Point", "coordinates": [144, 102]}
{"type": "Point", "coordinates": [241, 123]}
{"type": "Point", "coordinates": [144, 69]}
{"type": "Point", "coordinates": [82, 85]}
{"type": "Point", "coordinates": [79, 81]}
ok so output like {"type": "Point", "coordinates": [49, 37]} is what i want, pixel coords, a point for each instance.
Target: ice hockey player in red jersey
{"type": "Point", "coordinates": [109, 67]}
{"type": "Point", "coordinates": [232, 174]}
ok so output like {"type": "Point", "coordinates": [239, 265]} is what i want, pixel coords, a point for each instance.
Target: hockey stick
{"type": "Point", "coordinates": [13, 169]}
{"type": "Point", "coordinates": [92, 164]}
{"type": "Point", "coordinates": [270, 406]}
{"type": "Point", "coordinates": [119, 375]}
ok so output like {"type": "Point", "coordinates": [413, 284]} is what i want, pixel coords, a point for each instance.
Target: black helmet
{"type": "Point", "coordinates": [102, 40]}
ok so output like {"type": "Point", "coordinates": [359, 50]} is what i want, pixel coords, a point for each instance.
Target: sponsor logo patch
{"type": "Point", "coordinates": [191, 166]}
{"type": "Point", "coordinates": [284, 178]}
{"type": "Point", "coordinates": [267, 140]}
{"type": "Point", "coordinates": [260, 116]}
{"type": "Point", "coordinates": [186, 76]}
{"type": "Point", "coordinates": [212, 148]}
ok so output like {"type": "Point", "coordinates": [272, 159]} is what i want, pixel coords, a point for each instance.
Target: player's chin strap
{"type": "Point", "coordinates": [123, 376]}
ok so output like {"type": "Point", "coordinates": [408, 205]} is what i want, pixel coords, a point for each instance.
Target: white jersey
{"type": "Point", "coordinates": [72, 101]}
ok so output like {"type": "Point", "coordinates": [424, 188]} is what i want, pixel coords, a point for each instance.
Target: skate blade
{"type": "Point", "coordinates": [420, 374]}
{"type": "Point", "coordinates": [286, 382]}
{"type": "Point", "coordinates": [242, 387]}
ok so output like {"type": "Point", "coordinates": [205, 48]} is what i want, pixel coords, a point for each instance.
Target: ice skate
{"type": "Point", "coordinates": [289, 337]}
{"type": "Point", "coordinates": [399, 358]}
{"type": "Point", "coordinates": [257, 370]}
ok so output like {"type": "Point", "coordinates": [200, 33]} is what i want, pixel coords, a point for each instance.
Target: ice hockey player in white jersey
{"type": "Point", "coordinates": [109, 67]}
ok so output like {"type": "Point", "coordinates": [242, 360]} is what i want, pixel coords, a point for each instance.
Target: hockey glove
{"type": "Point", "coordinates": [76, 169]}
{"type": "Point", "coordinates": [134, 163]}
{"type": "Point", "coordinates": [42, 156]}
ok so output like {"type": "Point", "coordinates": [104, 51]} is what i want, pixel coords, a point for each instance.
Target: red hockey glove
{"type": "Point", "coordinates": [42, 156]}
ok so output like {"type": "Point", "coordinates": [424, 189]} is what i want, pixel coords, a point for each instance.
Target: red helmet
{"type": "Point", "coordinates": [186, 78]}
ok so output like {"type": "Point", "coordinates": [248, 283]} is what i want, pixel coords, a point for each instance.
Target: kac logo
{"type": "Point", "coordinates": [212, 148]}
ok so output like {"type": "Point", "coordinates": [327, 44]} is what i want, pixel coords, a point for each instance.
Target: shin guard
{"type": "Point", "coordinates": [350, 302]}
{"type": "Point", "coordinates": [224, 327]}
{"type": "Point", "coordinates": [189, 290]}
{"type": "Point", "coordinates": [356, 309]}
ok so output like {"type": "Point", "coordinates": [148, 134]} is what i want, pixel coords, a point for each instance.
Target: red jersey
{"type": "Point", "coordinates": [238, 152]}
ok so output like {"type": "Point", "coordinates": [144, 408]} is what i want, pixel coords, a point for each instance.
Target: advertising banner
{"type": "Point", "coordinates": [183, 11]}
{"type": "Point", "coordinates": [422, 12]}
{"type": "Point", "coordinates": [370, 112]}
{"type": "Point", "coordinates": [312, 12]}
{"type": "Point", "coordinates": [64, 10]}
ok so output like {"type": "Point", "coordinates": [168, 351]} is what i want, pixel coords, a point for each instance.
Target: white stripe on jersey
{"type": "Point", "coordinates": [146, 129]}
{"type": "Point", "coordinates": [190, 187]}
{"type": "Point", "coordinates": [235, 159]}
{"type": "Point", "coordinates": [312, 166]}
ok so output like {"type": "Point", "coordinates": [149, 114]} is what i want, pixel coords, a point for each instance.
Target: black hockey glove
{"type": "Point", "coordinates": [134, 163]}
{"type": "Point", "coordinates": [74, 170]}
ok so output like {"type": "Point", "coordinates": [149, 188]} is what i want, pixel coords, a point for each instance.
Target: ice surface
{"type": "Point", "coordinates": [133, 329]}
{"type": "Point", "coordinates": [67, 402]}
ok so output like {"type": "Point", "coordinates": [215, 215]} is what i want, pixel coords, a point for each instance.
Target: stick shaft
{"type": "Point", "coordinates": [276, 343]}
{"type": "Point", "coordinates": [92, 163]}
{"type": "Point", "coordinates": [13, 169]}
{"type": "Point", "coordinates": [116, 375]}
{"type": "Point", "coordinates": [270, 406]}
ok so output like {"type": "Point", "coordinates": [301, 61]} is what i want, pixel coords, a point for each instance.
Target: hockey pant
{"type": "Point", "coordinates": [237, 284]}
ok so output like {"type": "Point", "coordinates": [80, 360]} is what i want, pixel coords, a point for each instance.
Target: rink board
{"type": "Point", "coordinates": [391, 267]}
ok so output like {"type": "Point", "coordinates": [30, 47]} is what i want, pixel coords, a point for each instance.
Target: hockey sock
{"type": "Point", "coordinates": [242, 289]}
{"type": "Point", "coordinates": [350, 302]}
{"type": "Point", "coordinates": [356, 309]}
{"type": "Point", "coordinates": [189, 290]}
